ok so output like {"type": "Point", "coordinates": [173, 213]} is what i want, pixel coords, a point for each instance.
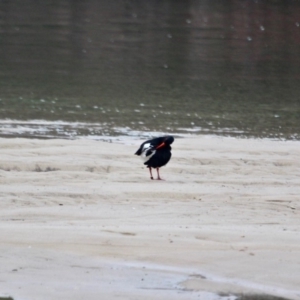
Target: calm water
{"type": "Point", "coordinates": [107, 67]}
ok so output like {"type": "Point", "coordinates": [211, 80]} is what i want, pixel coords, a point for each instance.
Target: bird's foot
{"type": "Point", "coordinates": [151, 178]}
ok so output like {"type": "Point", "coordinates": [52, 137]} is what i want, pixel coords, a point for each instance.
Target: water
{"type": "Point", "coordinates": [71, 68]}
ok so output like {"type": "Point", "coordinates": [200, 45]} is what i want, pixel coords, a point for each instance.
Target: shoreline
{"type": "Point", "coordinates": [45, 129]}
{"type": "Point", "coordinates": [81, 218]}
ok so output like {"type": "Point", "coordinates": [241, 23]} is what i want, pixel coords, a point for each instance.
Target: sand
{"type": "Point", "coordinates": [80, 219]}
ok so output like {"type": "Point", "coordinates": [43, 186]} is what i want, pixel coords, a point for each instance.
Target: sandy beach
{"type": "Point", "coordinates": [80, 219]}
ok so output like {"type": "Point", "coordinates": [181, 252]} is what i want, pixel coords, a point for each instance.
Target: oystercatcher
{"type": "Point", "coordinates": [156, 153]}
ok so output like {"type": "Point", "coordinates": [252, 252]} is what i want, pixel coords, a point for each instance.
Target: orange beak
{"type": "Point", "coordinates": [161, 145]}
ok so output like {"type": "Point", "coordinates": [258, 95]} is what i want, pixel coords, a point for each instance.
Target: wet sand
{"type": "Point", "coordinates": [81, 219]}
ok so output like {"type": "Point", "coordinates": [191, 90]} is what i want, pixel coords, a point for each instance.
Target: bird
{"type": "Point", "coordinates": [156, 153]}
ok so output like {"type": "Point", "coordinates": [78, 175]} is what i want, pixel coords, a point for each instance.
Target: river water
{"type": "Point", "coordinates": [93, 68]}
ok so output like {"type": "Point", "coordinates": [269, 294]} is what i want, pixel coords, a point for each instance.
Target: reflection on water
{"type": "Point", "coordinates": [225, 67]}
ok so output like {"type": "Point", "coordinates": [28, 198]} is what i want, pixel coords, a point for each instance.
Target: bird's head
{"type": "Point", "coordinates": [168, 140]}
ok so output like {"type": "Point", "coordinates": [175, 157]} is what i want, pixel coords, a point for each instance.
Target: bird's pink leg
{"type": "Point", "coordinates": [151, 176]}
{"type": "Point", "coordinates": [158, 177]}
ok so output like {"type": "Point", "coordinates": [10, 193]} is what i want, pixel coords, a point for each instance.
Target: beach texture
{"type": "Point", "coordinates": [80, 219]}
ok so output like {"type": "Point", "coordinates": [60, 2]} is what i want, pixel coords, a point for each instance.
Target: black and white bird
{"type": "Point", "coordinates": [156, 153]}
